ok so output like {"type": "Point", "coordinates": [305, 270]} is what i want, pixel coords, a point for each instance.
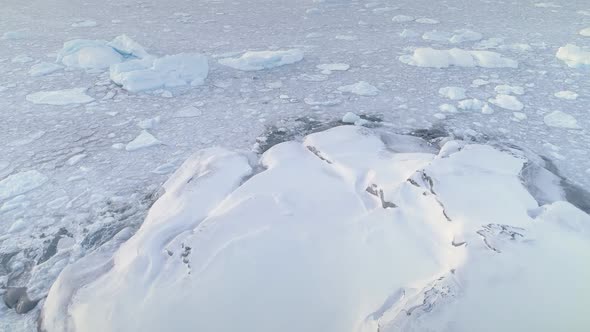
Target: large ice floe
{"type": "Point", "coordinates": [132, 67]}
{"type": "Point", "coordinates": [434, 58]}
{"type": "Point", "coordinates": [259, 60]}
{"type": "Point", "coordinates": [574, 56]}
{"type": "Point", "coordinates": [351, 230]}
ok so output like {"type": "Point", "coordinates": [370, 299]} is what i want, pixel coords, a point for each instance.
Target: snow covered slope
{"type": "Point", "coordinates": [350, 230]}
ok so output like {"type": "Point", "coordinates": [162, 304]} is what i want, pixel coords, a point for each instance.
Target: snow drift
{"type": "Point", "coordinates": [352, 229]}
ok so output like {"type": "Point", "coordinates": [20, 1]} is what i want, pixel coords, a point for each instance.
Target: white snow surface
{"type": "Point", "coordinates": [395, 229]}
{"type": "Point", "coordinates": [435, 58]}
{"type": "Point", "coordinates": [259, 60]}
{"type": "Point", "coordinates": [60, 97]}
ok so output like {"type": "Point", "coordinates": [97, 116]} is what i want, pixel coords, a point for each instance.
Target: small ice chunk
{"type": "Point", "coordinates": [143, 140]}
{"type": "Point", "coordinates": [149, 123]}
{"type": "Point", "coordinates": [251, 61]}
{"type": "Point", "coordinates": [479, 82]}
{"type": "Point", "coordinates": [452, 92]}
{"type": "Point", "coordinates": [519, 116]}
{"type": "Point", "coordinates": [425, 20]}
{"type": "Point", "coordinates": [574, 56]}
{"type": "Point", "coordinates": [448, 108]}
{"type": "Point", "coordinates": [128, 47]}
{"type": "Point", "coordinates": [585, 32]}
{"type": "Point", "coordinates": [486, 109]}
{"type": "Point", "coordinates": [567, 95]}
{"type": "Point", "coordinates": [560, 119]}
{"type": "Point", "coordinates": [471, 104]}
{"type": "Point", "coordinates": [328, 68]}
{"type": "Point", "coordinates": [346, 37]}
{"type": "Point", "coordinates": [433, 58]}
{"type": "Point", "coordinates": [361, 88]}
{"type": "Point", "coordinates": [507, 101]}
{"type": "Point", "coordinates": [188, 112]}
{"type": "Point", "coordinates": [350, 118]}
{"type": "Point", "coordinates": [21, 183]}
{"type": "Point", "coordinates": [509, 89]}
{"type": "Point", "coordinates": [60, 97]}
{"type": "Point", "coordinates": [44, 68]}
{"type": "Point", "coordinates": [402, 18]}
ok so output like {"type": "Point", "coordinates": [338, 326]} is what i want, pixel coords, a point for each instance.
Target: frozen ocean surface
{"type": "Point", "coordinates": [83, 169]}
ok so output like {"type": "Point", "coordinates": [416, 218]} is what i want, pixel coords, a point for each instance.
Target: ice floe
{"type": "Point", "coordinates": [142, 141]}
{"type": "Point", "coordinates": [400, 237]}
{"type": "Point", "coordinates": [509, 89]}
{"type": "Point", "coordinates": [434, 58]}
{"type": "Point", "coordinates": [574, 56]}
{"type": "Point", "coordinates": [21, 183]}
{"type": "Point", "coordinates": [259, 60]}
{"type": "Point", "coordinates": [60, 97]}
{"type": "Point", "coordinates": [507, 101]}
{"type": "Point", "coordinates": [166, 72]}
{"type": "Point", "coordinates": [560, 119]}
{"type": "Point", "coordinates": [84, 24]}
{"type": "Point", "coordinates": [44, 68]}
{"type": "Point", "coordinates": [402, 18]}
{"type": "Point", "coordinates": [567, 95]}
{"type": "Point", "coordinates": [585, 32]}
{"type": "Point", "coordinates": [328, 68]}
{"type": "Point", "coordinates": [452, 92]}
{"type": "Point", "coordinates": [361, 88]}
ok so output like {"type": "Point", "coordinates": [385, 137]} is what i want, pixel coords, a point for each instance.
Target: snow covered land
{"type": "Point", "coordinates": [312, 165]}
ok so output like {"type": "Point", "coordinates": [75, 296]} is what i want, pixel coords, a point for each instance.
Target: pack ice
{"type": "Point", "coordinates": [350, 230]}
{"type": "Point", "coordinates": [60, 97]}
{"type": "Point", "coordinates": [132, 67]}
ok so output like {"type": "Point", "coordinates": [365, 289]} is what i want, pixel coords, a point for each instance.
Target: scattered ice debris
{"type": "Point", "coordinates": [507, 101]}
{"type": "Point", "coordinates": [361, 88]}
{"type": "Point", "coordinates": [328, 68]}
{"type": "Point", "coordinates": [402, 18]}
{"type": "Point", "coordinates": [428, 57]}
{"type": "Point", "coordinates": [260, 60]}
{"type": "Point", "coordinates": [560, 119]}
{"type": "Point", "coordinates": [14, 35]}
{"type": "Point", "coordinates": [567, 95]}
{"type": "Point", "coordinates": [22, 59]}
{"type": "Point", "coordinates": [452, 92]}
{"type": "Point", "coordinates": [166, 72]}
{"type": "Point", "coordinates": [471, 104]}
{"type": "Point", "coordinates": [44, 68]}
{"type": "Point", "coordinates": [574, 56]}
{"type": "Point", "coordinates": [21, 183]}
{"type": "Point", "coordinates": [456, 37]}
{"type": "Point", "coordinates": [509, 90]}
{"type": "Point", "coordinates": [448, 108]}
{"type": "Point", "coordinates": [585, 32]}
{"type": "Point", "coordinates": [84, 24]}
{"type": "Point", "coordinates": [143, 140]}
{"type": "Point", "coordinates": [60, 97]}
